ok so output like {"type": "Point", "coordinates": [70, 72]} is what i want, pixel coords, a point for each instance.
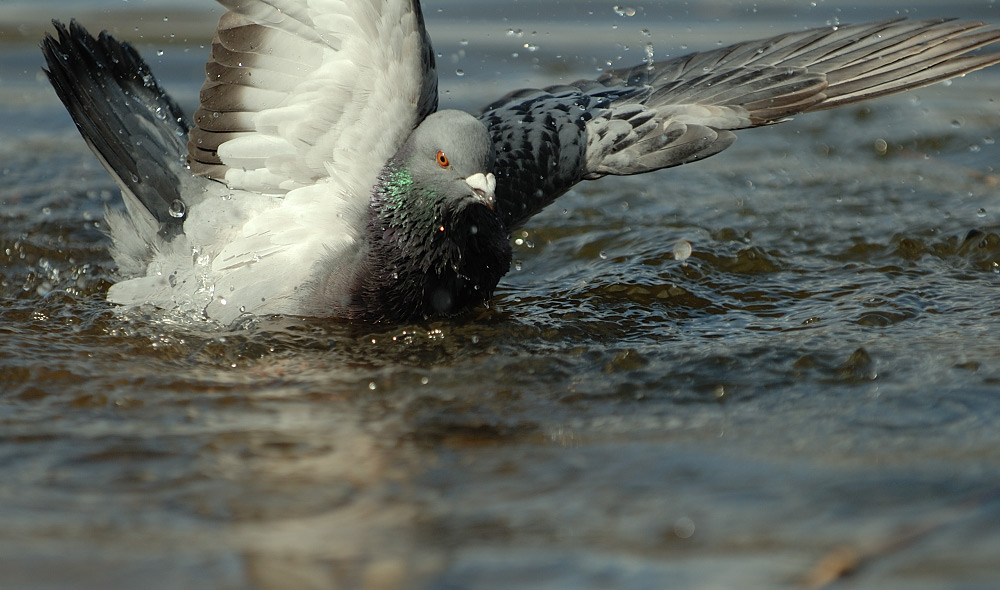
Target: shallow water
{"type": "Point", "coordinates": [815, 390]}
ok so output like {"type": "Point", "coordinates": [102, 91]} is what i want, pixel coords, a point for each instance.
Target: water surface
{"type": "Point", "coordinates": [815, 390]}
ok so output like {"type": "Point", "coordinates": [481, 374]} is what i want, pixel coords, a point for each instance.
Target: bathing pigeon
{"type": "Point", "coordinates": [317, 178]}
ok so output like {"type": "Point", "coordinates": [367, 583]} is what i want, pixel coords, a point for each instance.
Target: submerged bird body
{"type": "Point", "coordinates": [317, 177]}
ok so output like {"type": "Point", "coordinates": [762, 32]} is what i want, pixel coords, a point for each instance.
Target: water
{"type": "Point", "coordinates": [814, 390]}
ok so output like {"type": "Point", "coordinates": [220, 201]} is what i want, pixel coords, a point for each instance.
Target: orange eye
{"type": "Point", "coordinates": [442, 160]}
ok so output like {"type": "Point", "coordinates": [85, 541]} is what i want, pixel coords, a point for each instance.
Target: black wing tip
{"type": "Point", "coordinates": [111, 94]}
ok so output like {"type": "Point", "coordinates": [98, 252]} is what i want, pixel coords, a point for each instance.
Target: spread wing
{"type": "Point", "coordinates": [304, 100]}
{"type": "Point", "coordinates": [672, 112]}
{"type": "Point", "coordinates": [297, 92]}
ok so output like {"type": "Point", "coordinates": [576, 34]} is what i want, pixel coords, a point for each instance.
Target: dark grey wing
{"type": "Point", "coordinates": [677, 111]}
{"type": "Point", "coordinates": [134, 128]}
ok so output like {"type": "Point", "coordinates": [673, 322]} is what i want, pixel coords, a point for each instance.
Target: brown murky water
{"type": "Point", "coordinates": [816, 390]}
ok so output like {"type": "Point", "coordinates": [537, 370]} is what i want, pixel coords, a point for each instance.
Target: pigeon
{"type": "Point", "coordinates": [318, 178]}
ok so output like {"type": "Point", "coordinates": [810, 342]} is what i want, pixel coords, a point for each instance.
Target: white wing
{"type": "Point", "coordinates": [301, 90]}
{"type": "Point", "coordinates": [304, 100]}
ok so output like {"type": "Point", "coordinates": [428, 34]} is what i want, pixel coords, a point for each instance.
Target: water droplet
{"type": "Point", "coordinates": [371, 386]}
{"type": "Point", "coordinates": [459, 72]}
{"type": "Point", "coordinates": [682, 250]}
{"type": "Point", "coordinates": [684, 527]}
{"type": "Point", "coordinates": [981, 213]}
{"type": "Point", "coordinates": [159, 52]}
{"type": "Point", "coordinates": [603, 255]}
{"type": "Point", "coordinates": [177, 209]}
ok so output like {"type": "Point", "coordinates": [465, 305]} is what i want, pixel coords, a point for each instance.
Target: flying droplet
{"type": "Point", "coordinates": [682, 250]}
{"type": "Point", "coordinates": [684, 527]}
{"type": "Point", "coordinates": [177, 209]}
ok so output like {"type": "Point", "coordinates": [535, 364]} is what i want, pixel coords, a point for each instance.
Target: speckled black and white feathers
{"type": "Point", "coordinates": [677, 111]}
{"type": "Point", "coordinates": [549, 140]}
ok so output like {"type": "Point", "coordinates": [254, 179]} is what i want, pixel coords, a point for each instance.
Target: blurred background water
{"type": "Point", "coordinates": [811, 400]}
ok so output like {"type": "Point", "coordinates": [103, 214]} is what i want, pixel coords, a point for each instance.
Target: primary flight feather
{"type": "Point", "coordinates": [317, 177]}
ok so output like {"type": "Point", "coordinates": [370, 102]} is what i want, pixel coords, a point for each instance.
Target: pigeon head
{"type": "Point", "coordinates": [438, 244]}
{"type": "Point", "coordinates": [450, 154]}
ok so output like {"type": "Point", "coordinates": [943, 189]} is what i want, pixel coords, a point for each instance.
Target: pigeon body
{"type": "Point", "coordinates": [317, 178]}
{"type": "Point", "coordinates": [435, 244]}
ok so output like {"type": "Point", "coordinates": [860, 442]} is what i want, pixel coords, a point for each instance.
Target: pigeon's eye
{"type": "Point", "coordinates": [442, 160]}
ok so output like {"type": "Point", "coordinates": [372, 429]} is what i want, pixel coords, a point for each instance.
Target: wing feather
{"type": "Point", "coordinates": [669, 113]}
{"type": "Point", "coordinates": [293, 90]}
{"type": "Point", "coordinates": [304, 101]}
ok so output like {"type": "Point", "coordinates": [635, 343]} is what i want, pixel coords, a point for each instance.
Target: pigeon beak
{"type": "Point", "coordinates": [484, 188]}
